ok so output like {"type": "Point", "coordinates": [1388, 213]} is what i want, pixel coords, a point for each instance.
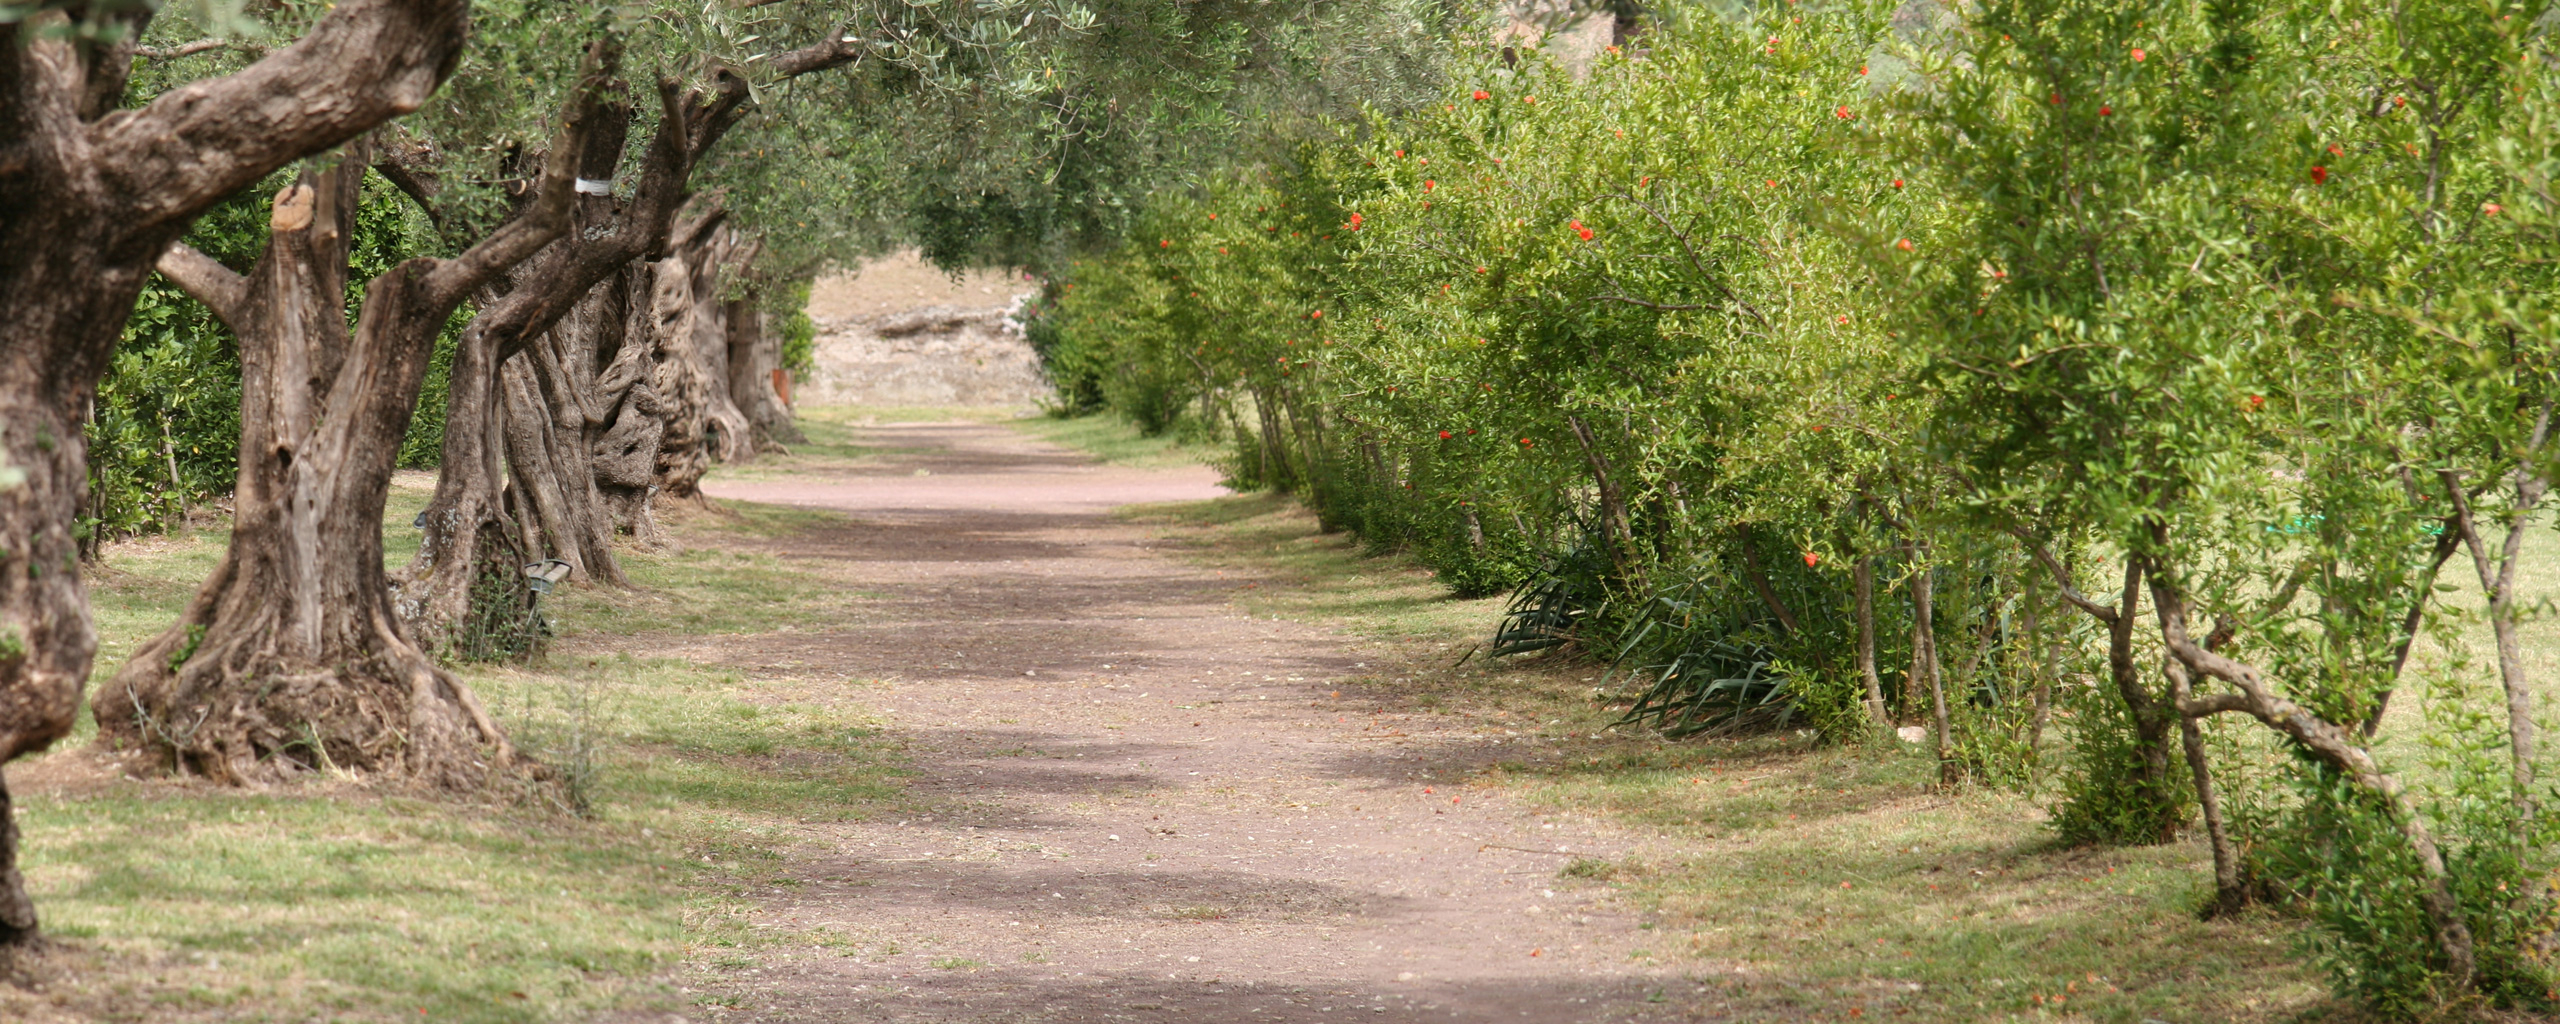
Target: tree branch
{"type": "Point", "coordinates": [837, 50]}
{"type": "Point", "coordinates": [553, 282]}
{"type": "Point", "coordinates": [368, 61]}
{"type": "Point", "coordinates": [408, 167]}
{"type": "Point", "coordinates": [2331, 744]}
{"type": "Point", "coordinates": [2062, 579]}
{"type": "Point", "coordinates": [111, 64]}
{"type": "Point", "coordinates": [180, 50]}
{"type": "Point", "coordinates": [206, 280]}
{"type": "Point", "coordinates": [548, 215]}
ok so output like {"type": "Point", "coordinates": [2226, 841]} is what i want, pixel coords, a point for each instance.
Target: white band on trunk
{"type": "Point", "coordinates": [592, 187]}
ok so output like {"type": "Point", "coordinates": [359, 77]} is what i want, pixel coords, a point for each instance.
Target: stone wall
{"type": "Point", "coordinates": [898, 332]}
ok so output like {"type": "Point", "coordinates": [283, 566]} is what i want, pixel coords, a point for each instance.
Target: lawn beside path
{"type": "Point", "coordinates": [1788, 881]}
{"type": "Point", "coordinates": [172, 900]}
{"type": "Point", "coordinates": [724, 750]}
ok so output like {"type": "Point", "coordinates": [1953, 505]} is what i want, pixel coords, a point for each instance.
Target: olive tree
{"type": "Point", "coordinates": [91, 195]}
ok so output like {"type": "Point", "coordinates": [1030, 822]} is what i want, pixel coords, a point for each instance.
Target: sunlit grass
{"type": "Point", "coordinates": [1793, 881]}
{"type": "Point", "coordinates": [1117, 441]}
{"type": "Point", "coordinates": [336, 901]}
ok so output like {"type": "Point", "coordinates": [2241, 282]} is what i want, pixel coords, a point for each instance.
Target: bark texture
{"type": "Point", "coordinates": [473, 527]}
{"type": "Point", "coordinates": [703, 425]}
{"type": "Point", "coordinates": [1864, 576]}
{"type": "Point", "coordinates": [290, 658]}
{"type": "Point", "coordinates": [755, 373]}
{"type": "Point", "coordinates": [90, 196]}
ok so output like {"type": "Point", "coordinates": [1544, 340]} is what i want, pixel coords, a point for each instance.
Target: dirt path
{"type": "Point", "coordinates": [1147, 806]}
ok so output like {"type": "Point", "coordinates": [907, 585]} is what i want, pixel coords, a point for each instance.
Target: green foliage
{"type": "Point", "coordinates": [2102, 803]}
{"type": "Point", "coordinates": [505, 620]}
{"type": "Point", "coordinates": [799, 333]}
{"type": "Point", "coordinates": [2241, 294]}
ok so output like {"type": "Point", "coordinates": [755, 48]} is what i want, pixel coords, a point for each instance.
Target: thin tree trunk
{"type": "Point", "coordinates": [2153, 717]}
{"type": "Point", "coordinates": [1865, 577]}
{"type": "Point", "coordinates": [2228, 894]}
{"type": "Point", "coordinates": [1275, 455]}
{"type": "Point", "coordinates": [1924, 659]}
{"type": "Point", "coordinates": [1613, 508]}
{"type": "Point", "coordinates": [1759, 580]}
{"type": "Point", "coordinates": [755, 363]}
{"type": "Point", "coordinates": [2498, 580]}
{"type": "Point", "coordinates": [2333, 744]}
{"type": "Point", "coordinates": [2032, 609]}
{"type": "Point", "coordinates": [2447, 543]}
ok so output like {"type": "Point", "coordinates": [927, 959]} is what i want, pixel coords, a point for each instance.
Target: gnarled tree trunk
{"type": "Point", "coordinates": [472, 532]}
{"type": "Point", "coordinates": [690, 322]}
{"type": "Point", "coordinates": [755, 373]}
{"type": "Point", "coordinates": [624, 455]}
{"type": "Point", "coordinates": [290, 658]}
{"type": "Point", "coordinates": [87, 204]}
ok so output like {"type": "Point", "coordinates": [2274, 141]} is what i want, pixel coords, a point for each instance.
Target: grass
{"type": "Point", "coordinates": [1788, 881]}
{"type": "Point", "coordinates": [1117, 441]}
{"type": "Point", "coordinates": [338, 902]}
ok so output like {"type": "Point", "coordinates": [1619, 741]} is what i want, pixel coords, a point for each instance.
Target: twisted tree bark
{"type": "Point", "coordinates": [88, 202]}
{"type": "Point", "coordinates": [702, 425]}
{"type": "Point", "coordinates": [471, 531]}
{"type": "Point", "coordinates": [2335, 745]}
{"type": "Point", "coordinates": [290, 658]}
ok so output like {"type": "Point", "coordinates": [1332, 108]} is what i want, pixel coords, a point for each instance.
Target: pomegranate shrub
{"type": "Point", "coordinates": [2053, 372]}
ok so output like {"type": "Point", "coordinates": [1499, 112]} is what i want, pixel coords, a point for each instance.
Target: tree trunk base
{"type": "Point", "coordinates": [17, 912]}
{"type": "Point", "coordinates": [386, 714]}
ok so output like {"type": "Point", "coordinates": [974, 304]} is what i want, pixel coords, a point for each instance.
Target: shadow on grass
{"type": "Point", "coordinates": [1794, 881]}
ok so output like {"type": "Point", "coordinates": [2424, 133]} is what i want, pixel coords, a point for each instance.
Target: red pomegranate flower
{"type": "Point", "coordinates": [2319, 175]}
{"type": "Point", "coordinates": [1482, 95]}
{"type": "Point", "coordinates": [1444, 435]}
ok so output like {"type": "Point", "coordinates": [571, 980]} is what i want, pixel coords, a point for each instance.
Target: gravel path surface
{"type": "Point", "coordinates": [1144, 805]}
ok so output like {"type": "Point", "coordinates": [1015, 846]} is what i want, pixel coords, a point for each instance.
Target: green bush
{"type": "Point", "coordinates": [2103, 801]}
{"type": "Point", "coordinates": [2210, 296]}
